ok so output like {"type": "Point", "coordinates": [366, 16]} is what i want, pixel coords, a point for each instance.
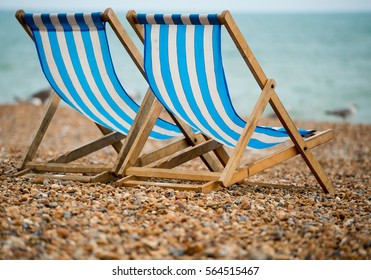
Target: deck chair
{"type": "Point", "coordinates": [74, 55]}
{"type": "Point", "coordinates": [183, 64]}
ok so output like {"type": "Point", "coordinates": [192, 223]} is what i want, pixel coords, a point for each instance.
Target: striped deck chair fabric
{"type": "Point", "coordinates": [183, 63]}
{"type": "Point", "coordinates": [74, 54]}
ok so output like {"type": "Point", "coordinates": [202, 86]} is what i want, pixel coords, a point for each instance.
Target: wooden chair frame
{"type": "Point", "coordinates": [134, 173]}
{"type": "Point", "coordinates": [150, 109]}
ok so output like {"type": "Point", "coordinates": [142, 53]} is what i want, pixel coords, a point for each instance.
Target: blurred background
{"type": "Point", "coordinates": [319, 52]}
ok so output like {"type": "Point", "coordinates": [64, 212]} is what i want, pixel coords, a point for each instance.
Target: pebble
{"type": "Point", "coordinates": [242, 219]}
{"type": "Point", "coordinates": [67, 214]}
{"type": "Point", "coordinates": [349, 222]}
{"type": "Point", "coordinates": [62, 232]}
{"type": "Point", "coordinates": [52, 204]}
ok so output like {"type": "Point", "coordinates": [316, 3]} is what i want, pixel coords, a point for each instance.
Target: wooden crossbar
{"type": "Point", "coordinates": [116, 145]}
{"type": "Point", "coordinates": [204, 188]}
{"type": "Point", "coordinates": [109, 139]}
{"type": "Point", "coordinates": [160, 153]}
{"type": "Point", "coordinates": [188, 154]}
{"type": "Point", "coordinates": [64, 177]}
{"type": "Point", "coordinates": [134, 181]}
{"type": "Point", "coordinates": [67, 168]}
{"type": "Point", "coordinates": [173, 174]}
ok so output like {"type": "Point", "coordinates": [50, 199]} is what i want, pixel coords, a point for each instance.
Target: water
{"type": "Point", "coordinates": [319, 61]}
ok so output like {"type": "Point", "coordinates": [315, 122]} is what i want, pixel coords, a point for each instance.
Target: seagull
{"type": "Point", "coordinates": [344, 113]}
{"type": "Point", "coordinates": [37, 98]}
{"type": "Point", "coordinates": [40, 97]}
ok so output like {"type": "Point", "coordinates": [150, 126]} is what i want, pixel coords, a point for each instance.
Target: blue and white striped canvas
{"type": "Point", "coordinates": [184, 68]}
{"type": "Point", "coordinates": [74, 54]}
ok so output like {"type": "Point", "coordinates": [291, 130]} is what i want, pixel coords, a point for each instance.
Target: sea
{"type": "Point", "coordinates": [320, 62]}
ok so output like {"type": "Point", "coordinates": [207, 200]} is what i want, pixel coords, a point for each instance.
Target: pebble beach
{"type": "Point", "coordinates": [48, 219]}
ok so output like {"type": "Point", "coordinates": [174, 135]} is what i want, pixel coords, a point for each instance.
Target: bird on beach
{"type": "Point", "coordinates": [37, 98]}
{"type": "Point", "coordinates": [344, 113]}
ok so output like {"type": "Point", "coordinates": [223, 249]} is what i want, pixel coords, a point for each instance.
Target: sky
{"type": "Point", "coordinates": [191, 5]}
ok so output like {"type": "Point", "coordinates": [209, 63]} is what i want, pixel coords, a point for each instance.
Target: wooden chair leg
{"type": "Point", "coordinates": [41, 130]}
{"type": "Point", "coordinates": [227, 176]}
{"type": "Point", "coordinates": [143, 123]}
{"type": "Point", "coordinates": [133, 151]}
{"type": "Point", "coordinates": [300, 144]}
